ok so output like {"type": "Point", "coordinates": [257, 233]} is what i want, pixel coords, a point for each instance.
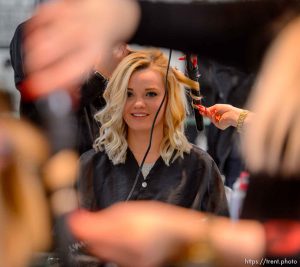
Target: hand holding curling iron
{"type": "Point", "coordinates": [225, 115]}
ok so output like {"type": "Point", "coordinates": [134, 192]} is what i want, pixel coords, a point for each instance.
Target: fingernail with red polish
{"type": "Point", "coordinates": [202, 110]}
{"type": "Point", "coordinates": [218, 117]}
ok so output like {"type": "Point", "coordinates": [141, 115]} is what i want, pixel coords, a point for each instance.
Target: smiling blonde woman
{"type": "Point", "coordinates": [174, 171]}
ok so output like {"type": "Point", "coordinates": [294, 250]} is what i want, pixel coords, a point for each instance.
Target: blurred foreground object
{"type": "Point", "coordinates": [70, 53]}
{"type": "Point", "coordinates": [150, 233]}
{"type": "Point", "coordinates": [24, 214]}
{"type": "Point", "coordinates": [5, 103]}
{"type": "Point", "coordinates": [64, 33]}
{"type": "Point", "coordinates": [272, 142]}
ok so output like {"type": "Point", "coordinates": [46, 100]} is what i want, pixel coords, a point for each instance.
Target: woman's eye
{"type": "Point", "coordinates": [129, 94]}
{"type": "Point", "coordinates": [151, 94]}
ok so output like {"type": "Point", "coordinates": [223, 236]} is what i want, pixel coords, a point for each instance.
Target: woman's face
{"type": "Point", "coordinates": [144, 95]}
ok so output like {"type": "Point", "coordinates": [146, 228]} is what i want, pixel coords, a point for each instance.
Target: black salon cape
{"type": "Point", "coordinates": [192, 182]}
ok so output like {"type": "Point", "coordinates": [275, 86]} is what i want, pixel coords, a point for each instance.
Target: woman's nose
{"type": "Point", "coordinates": [139, 103]}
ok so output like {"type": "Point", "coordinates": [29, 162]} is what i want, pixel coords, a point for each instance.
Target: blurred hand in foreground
{"type": "Point", "coordinates": [149, 233]}
{"type": "Point", "coordinates": [65, 39]}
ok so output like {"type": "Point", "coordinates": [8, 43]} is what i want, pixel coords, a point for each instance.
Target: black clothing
{"type": "Point", "coordinates": [230, 32]}
{"type": "Point", "coordinates": [191, 182]}
{"type": "Point", "coordinates": [84, 127]}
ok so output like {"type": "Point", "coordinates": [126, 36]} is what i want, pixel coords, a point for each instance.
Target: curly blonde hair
{"type": "Point", "coordinates": [113, 130]}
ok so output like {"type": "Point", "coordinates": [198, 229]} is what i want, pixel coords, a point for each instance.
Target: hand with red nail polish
{"type": "Point", "coordinates": [224, 115]}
